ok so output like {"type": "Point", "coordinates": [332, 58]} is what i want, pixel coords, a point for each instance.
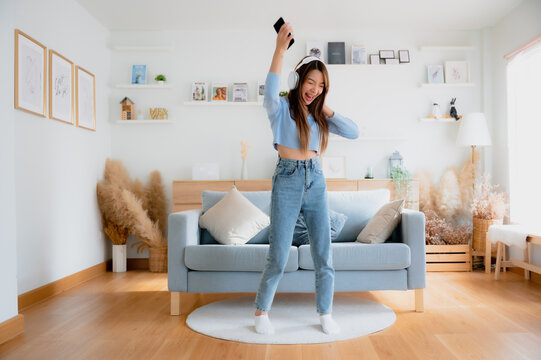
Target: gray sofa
{"type": "Point", "coordinates": [197, 264]}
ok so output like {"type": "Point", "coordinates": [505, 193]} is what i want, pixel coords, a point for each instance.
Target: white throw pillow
{"type": "Point", "coordinates": [234, 220]}
{"type": "Point", "coordinates": [382, 224]}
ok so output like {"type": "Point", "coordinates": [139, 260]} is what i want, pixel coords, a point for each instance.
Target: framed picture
{"type": "Point", "coordinates": [316, 48]}
{"type": "Point", "coordinates": [435, 74]}
{"type": "Point", "coordinates": [358, 54]}
{"type": "Point", "coordinates": [457, 72]}
{"type": "Point", "coordinates": [30, 74]}
{"type": "Point", "coordinates": [260, 90]}
{"type": "Point", "coordinates": [374, 59]}
{"type": "Point", "coordinates": [240, 92]}
{"type": "Point", "coordinates": [60, 88]}
{"type": "Point", "coordinates": [199, 91]}
{"type": "Point", "coordinates": [219, 92]}
{"type": "Point", "coordinates": [386, 54]}
{"type": "Point", "coordinates": [85, 99]}
{"type": "Point", "coordinates": [139, 74]}
{"type": "Point", "coordinates": [392, 61]}
{"type": "Point", "coordinates": [404, 56]}
{"type": "Point", "coordinates": [334, 167]}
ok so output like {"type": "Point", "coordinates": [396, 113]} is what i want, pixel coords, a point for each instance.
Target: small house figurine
{"type": "Point", "coordinates": [127, 109]}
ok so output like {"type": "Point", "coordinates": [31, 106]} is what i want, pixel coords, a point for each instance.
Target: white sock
{"type": "Point", "coordinates": [328, 324]}
{"type": "Point", "coordinates": [263, 324]}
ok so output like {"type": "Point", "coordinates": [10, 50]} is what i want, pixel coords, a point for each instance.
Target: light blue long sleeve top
{"type": "Point", "coordinates": [284, 127]}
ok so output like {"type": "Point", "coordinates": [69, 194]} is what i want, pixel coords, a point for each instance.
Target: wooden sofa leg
{"type": "Point", "coordinates": [175, 303]}
{"type": "Point", "coordinates": [419, 300]}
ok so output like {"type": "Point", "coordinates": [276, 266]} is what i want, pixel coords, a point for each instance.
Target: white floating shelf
{"type": "Point", "coordinates": [369, 138]}
{"type": "Point", "coordinates": [366, 66]}
{"type": "Point", "coordinates": [443, 120]}
{"type": "Point", "coordinates": [224, 103]}
{"type": "Point", "coordinates": [447, 48]}
{"type": "Point", "coordinates": [144, 86]}
{"type": "Point", "coordinates": [143, 48]}
{"type": "Point", "coordinates": [138, 122]}
{"type": "Point", "coordinates": [445, 85]}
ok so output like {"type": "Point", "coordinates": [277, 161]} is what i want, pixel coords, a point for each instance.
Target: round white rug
{"type": "Point", "coordinates": [294, 318]}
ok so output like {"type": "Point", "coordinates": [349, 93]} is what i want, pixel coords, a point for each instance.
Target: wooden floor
{"type": "Point", "coordinates": [126, 316]}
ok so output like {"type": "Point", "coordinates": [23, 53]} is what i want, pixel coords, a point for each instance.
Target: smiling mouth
{"type": "Point", "coordinates": [308, 98]}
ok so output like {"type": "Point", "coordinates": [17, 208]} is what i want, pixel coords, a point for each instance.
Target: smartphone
{"type": "Point", "coordinates": [277, 25]}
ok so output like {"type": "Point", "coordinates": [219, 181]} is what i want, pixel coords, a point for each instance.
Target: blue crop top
{"type": "Point", "coordinates": [284, 127]}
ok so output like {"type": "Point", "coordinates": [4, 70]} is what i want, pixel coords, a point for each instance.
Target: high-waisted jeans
{"type": "Point", "coordinates": [298, 186]}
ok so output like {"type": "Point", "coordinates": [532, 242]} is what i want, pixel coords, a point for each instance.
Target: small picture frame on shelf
{"type": "Point", "coordinates": [404, 56]}
{"type": "Point", "coordinates": [374, 59]}
{"type": "Point", "coordinates": [139, 74]}
{"type": "Point", "coordinates": [219, 92]}
{"type": "Point", "coordinates": [260, 91]}
{"type": "Point", "coordinates": [457, 72]}
{"type": "Point", "coordinates": [386, 54]}
{"type": "Point", "coordinates": [334, 167]}
{"type": "Point", "coordinates": [199, 91]}
{"type": "Point", "coordinates": [316, 48]}
{"type": "Point", "coordinates": [435, 74]}
{"type": "Point", "coordinates": [392, 61]}
{"type": "Point", "coordinates": [358, 54]}
{"type": "Point", "coordinates": [240, 92]}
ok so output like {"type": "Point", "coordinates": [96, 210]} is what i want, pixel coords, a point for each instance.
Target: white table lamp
{"type": "Point", "coordinates": [473, 131]}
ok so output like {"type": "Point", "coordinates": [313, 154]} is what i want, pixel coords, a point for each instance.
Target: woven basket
{"type": "Point", "coordinates": [157, 259]}
{"type": "Point", "coordinates": [480, 228]}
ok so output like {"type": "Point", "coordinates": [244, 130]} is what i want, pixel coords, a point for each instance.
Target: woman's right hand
{"type": "Point", "coordinates": [283, 39]}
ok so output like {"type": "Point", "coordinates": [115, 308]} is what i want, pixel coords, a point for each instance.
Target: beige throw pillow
{"type": "Point", "coordinates": [382, 224]}
{"type": "Point", "coordinates": [234, 220]}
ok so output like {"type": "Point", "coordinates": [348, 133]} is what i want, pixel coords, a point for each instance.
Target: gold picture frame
{"type": "Point", "coordinates": [30, 75]}
{"type": "Point", "coordinates": [60, 88]}
{"type": "Point", "coordinates": [85, 99]}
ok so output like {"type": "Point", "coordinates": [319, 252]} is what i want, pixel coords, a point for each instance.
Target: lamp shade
{"type": "Point", "coordinates": [473, 130]}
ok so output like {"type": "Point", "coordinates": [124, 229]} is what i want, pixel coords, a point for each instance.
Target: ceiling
{"type": "Point", "coordinates": [261, 14]}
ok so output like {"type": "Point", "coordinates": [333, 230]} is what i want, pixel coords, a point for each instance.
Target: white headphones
{"type": "Point", "coordinates": [293, 79]}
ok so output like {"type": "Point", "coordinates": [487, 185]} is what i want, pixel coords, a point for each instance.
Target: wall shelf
{"type": "Point", "coordinates": [144, 86]}
{"type": "Point", "coordinates": [447, 48]}
{"type": "Point", "coordinates": [225, 103]}
{"type": "Point", "coordinates": [140, 122]}
{"type": "Point", "coordinates": [443, 120]}
{"type": "Point", "coordinates": [143, 48]}
{"type": "Point", "coordinates": [366, 66]}
{"type": "Point", "coordinates": [368, 138]}
{"type": "Point", "coordinates": [447, 85]}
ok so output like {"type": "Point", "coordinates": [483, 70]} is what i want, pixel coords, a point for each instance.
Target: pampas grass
{"type": "Point", "coordinates": [426, 198]}
{"type": "Point", "coordinates": [448, 199]}
{"type": "Point", "coordinates": [157, 203]}
{"type": "Point", "coordinates": [141, 225]}
{"type": "Point", "coordinates": [439, 232]}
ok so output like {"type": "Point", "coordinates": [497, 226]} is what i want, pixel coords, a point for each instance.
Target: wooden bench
{"type": "Point", "coordinates": [526, 264]}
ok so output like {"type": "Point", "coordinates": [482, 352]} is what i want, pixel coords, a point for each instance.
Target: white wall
{"type": "Point", "coordinates": [8, 239]}
{"type": "Point", "coordinates": [57, 165]}
{"type": "Point", "coordinates": [383, 101]}
{"type": "Point", "coordinates": [517, 28]}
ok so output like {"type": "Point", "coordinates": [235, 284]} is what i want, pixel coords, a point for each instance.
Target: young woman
{"type": "Point", "coordinates": [300, 123]}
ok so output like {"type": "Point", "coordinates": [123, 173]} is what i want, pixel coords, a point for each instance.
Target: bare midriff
{"type": "Point", "coordinates": [295, 154]}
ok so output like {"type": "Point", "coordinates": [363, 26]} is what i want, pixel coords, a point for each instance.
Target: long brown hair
{"type": "Point", "coordinates": [315, 107]}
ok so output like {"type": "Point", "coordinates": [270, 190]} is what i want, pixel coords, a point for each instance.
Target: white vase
{"type": "Point", "coordinates": [244, 172]}
{"type": "Point", "coordinates": [119, 258]}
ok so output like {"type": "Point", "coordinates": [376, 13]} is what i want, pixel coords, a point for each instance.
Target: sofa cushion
{"type": "Point", "coordinates": [234, 258]}
{"type": "Point", "coordinates": [382, 225]}
{"type": "Point", "coordinates": [357, 256]}
{"type": "Point", "coordinates": [261, 199]}
{"type": "Point", "coordinates": [234, 220]}
{"type": "Point", "coordinates": [358, 206]}
{"type": "Point", "coordinates": [300, 234]}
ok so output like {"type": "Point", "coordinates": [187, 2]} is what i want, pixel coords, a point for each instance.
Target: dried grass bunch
{"type": "Point", "coordinates": [487, 203]}
{"type": "Point", "coordinates": [129, 208]}
{"type": "Point", "coordinates": [450, 206]}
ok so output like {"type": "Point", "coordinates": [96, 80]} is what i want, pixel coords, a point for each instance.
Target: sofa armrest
{"type": "Point", "coordinates": [413, 234]}
{"type": "Point", "coordinates": [183, 231]}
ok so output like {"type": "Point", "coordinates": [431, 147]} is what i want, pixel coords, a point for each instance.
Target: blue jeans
{"type": "Point", "coordinates": [298, 186]}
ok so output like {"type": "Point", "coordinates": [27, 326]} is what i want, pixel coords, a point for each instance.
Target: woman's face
{"type": "Point", "coordinates": [312, 86]}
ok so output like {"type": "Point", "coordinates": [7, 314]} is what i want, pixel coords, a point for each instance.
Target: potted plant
{"type": "Point", "coordinates": [161, 79]}
{"type": "Point", "coordinates": [488, 208]}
